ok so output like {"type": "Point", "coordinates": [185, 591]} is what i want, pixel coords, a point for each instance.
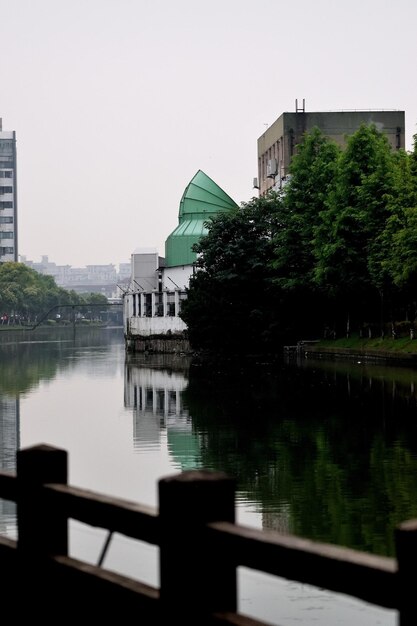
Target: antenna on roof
{"type": "Point", "coordinates": [300, 110]}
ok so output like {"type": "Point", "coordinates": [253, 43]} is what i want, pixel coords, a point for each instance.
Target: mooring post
{"type": "Point", "coordinates": [196, 576]}
{"type": "Point", "coordinates": [42, 530]}
{"type": "Point", "coordinates": [406, 547]}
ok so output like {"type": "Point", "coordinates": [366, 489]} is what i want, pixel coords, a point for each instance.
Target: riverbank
{"type": "Point", "coordinates": [402, 349]}
{"type": "Point", "coordinates": [52, 324]}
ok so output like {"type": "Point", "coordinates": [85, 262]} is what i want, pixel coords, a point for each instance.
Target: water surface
{"type": "Point", "coordinates": [325, 450]}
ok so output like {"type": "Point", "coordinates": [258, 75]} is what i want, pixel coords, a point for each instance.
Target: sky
{"type": "Point", "coordinates": [117, 104]}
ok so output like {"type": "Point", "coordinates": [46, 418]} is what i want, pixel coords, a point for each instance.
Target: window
{"type": "Point", "coordinates": [182, 297]}
{"type": "Point", "coordinates": [6, 205]}
{"type": "Point", "coordinates": [9, 235]}
{"type": "Point", "coordinates": [148, 305]}
{"type": "Point", "coordinates": [6, 174]}
{"type": "Point", "coordinates": [6, 250]}
{"type": "Point", "coordinates": [159, 305]}
{"type": "Point", "coordinates": [6, 220]}
{"type": "Point", "coordinates": [171, 303]}
{"type": "Point", "coordinates": [4, 190]}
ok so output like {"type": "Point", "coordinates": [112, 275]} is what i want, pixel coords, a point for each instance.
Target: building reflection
{"type": "Point", "coordinates": [154, 390]}
{"type": "Point", "coordinates": [9, 444]}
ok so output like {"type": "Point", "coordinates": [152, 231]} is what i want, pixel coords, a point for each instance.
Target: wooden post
{"type": "Point", "coordinates": [42, 530]}
{"type": "Point", "coordinates": [195, 579]}
{"type": "Point", "coordinates": [406, 547]}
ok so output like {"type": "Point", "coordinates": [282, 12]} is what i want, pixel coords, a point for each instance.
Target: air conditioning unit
{"type": "Point", "coordinates": [271, 168]}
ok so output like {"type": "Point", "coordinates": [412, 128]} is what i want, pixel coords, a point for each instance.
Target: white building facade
{"type": "Point", "coordinates": [158, 287]}
{"type": "Point", "coordinates": [8, 196]}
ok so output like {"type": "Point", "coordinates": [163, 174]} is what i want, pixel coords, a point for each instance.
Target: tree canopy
{"type": "Point", "coordinates": [233, 281]}
{"type": "Point", "coordinates": [25, 294]}
{"type": "Point", "coordinates": [336, 248]}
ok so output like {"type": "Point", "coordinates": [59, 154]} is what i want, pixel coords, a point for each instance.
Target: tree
{"type": "Point", "coordinates": [26, 294]}
{"type": "Point", "coordinates": [347, 262]}
{"type": "Point", "coordinates": [313, 169]}
{"type": "Point", "coordinates": [231, 303]}
{"type": "Point", "coordinates": [402, 261]}
{"type": "Point", "coordinates": [21, 290]}
{"type": "Point", "coordinates": [395, 247]}
{"type": "Point", "coordinates": [335, 246]}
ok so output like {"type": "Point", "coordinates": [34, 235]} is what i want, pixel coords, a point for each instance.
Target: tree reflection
{"type": "Point", "coordinates": [27, 358]}
{"type": "Point", "coordinates": [327, 452]}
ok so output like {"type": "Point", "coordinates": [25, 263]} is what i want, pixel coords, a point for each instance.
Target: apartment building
{"type": "Point", "coordinates": [279, 142]}
{"type": "Point", "coordinates": [8, 196]}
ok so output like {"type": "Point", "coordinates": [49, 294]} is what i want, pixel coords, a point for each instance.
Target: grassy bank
{"type": "Point", "coordinates": [396, 348]}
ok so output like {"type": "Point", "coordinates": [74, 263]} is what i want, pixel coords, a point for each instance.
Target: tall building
{"type": "Point", "coordinates": [8, 196]}
{"type": "Point", "coordinates": [279, 142]}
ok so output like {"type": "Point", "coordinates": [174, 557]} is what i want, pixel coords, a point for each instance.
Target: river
{"type": "Point", "coordinates": [321, 449]}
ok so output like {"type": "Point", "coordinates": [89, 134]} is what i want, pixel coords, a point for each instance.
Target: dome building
{"type": "Point", "coordinates": [152, 304]}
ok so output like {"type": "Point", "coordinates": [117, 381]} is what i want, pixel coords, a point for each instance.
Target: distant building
{"type": "Point", "coordinates": [8, 196]}
{"type": "Point", "coordinates": [278, 143]}
{"type": "Point", "coordinates": [103, 279]}
{"type": "Point", "coordinates": [124, 272]}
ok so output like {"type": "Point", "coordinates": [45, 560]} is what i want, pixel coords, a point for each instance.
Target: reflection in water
{"type": "Point", "coordinates": [322, 450]}
{"type": "Point", "coordinates": [28, 358]}
{"type": "Point", "coordinates": [154, 386]}
{"type": "Point", "coordinates": [9, 444]}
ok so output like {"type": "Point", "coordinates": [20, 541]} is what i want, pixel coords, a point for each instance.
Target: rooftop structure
{"type": "Point", "coordinates": [201, 199]}
{"type": "Point", "coordinates": [278, 143]}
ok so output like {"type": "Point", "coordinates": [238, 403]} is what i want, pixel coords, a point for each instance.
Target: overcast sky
{"type": "Point", "coordinates": [118, 103]}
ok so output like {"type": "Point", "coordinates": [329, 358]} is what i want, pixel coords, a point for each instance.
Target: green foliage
{"type": "Point", "coordinates": [23, 291]}
{"type": "Point", "coordinates": [232, 294]}
{"type": "Point", "coordinates": [26, 295]}
{"type": "Point", "coordinates": [398, 239]}
{"type": "Point", "coordinates": [401, 243]}
{"type": "Point", "coordinates": [355, 215]}
{"type": "Point", "coordinates": [337, 246]}
{"type": "Point", "coordinates": [312, 171]}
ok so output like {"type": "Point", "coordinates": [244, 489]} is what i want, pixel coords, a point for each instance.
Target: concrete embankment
{"type": "Point", "coordinates": [158, 345]}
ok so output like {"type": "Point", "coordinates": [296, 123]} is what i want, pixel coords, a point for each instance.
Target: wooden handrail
{"type": "Point", "coordinates": [117, 515]}
{"type": "Point", "coordinates": [200, 546]}
{"type": "Point", "coordinates": [365, 576]}
{"type": "Point", "coordinates": [8, 486]}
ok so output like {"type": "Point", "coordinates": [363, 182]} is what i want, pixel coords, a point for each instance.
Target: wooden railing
{"type": "Point", "coordinates": [200, 549]}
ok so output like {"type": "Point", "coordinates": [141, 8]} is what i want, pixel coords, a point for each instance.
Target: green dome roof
{"type": "Point", "coordinates": [201, 199]}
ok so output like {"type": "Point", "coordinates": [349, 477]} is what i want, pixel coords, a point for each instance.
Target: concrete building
{"type": "Point", "coordinates": [8, 196]}
{"type": "Point", "coordinates": [152, 305]}
{"type": "Point", "coordinates": [125, 271]}
{"type": "Point", "coordinates": [279, 142]}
